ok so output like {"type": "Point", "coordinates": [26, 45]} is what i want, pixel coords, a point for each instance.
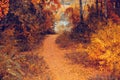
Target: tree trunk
{"type": "Point", "coordinates": [101, 7]}
{"type": "Point", "coordinates": [117, 4]}
{"type": "Point", "coordinates": [81, 11]}
{"type": "Point", "coordinates": [106, 11]}
{"type": "Point", "coordinates": [97, 7]}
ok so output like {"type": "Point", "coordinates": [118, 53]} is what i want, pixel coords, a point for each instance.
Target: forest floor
{"type": "Point", "coordinates": [60, 67]}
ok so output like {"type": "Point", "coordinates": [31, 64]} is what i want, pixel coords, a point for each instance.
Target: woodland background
{"type": "Point", "coordinates": [24, 25]}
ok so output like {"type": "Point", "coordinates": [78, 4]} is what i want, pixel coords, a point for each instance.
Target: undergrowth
{"type": "Point", "coordinates": [22, 66]}
{"type": "Point", "coordinates": [102, 52]}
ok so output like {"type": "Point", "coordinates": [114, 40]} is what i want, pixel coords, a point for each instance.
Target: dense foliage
{"type": "Point", "coordinates": [4, 7]}
{"type": "Point", "coordinates": [95, 40]}
{"type": "Point", "coordinates": [28, 22]}
{"type": "Point", "coordinates": [25, 23]}
{"type": "Point", "coordinates": [105, 48]}
{"type": "Point", "coordinates": [23, 26]}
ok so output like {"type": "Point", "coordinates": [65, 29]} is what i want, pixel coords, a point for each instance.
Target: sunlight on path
{"type": "Point", "coordinates": [58, 64]}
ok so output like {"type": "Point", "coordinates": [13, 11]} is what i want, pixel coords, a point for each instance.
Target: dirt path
{"type": "Point", "coordinates": [58, 64]}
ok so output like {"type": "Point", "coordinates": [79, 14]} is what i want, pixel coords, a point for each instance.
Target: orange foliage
{"type": "Point", "coordinates": [35, 1]}
{"type": "Point", "coordinates": [112, 12]}
{"type": "Point", "coordinates": [105, 48]}
{"type": "Point", "coordinates": [51, 4]}
{"type": "Point", "coordinates": [54, 4]}
{"type": "Point", "coordinates": [73, 15]}
{"type": "Point", "coordinates": [115, 18]}
{"type": "Point", "coordinates": [49, 18]}
{"type": "Point", "coordinates": [4, 7]}
{"type": "Point", "coordinates": [23, 33]}
{"type": "Point", "coordinates": [58, 3]}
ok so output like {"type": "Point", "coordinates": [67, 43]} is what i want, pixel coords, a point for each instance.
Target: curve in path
{"type": "Point", "coordinates": [58, 65]}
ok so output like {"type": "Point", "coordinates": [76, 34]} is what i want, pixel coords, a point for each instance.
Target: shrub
{"type": "Point", "coordinates": [63, 40]}
{"type": "Point", "coordinates": [102, 52]}
{"type": "Point", "coordinates": [104, 47]}
{"type": "Point", "coordinates": [10, 69]}
{"type": "Point", "coordinates": [23, 65]}
{"type": "Point", "coordinates": [78, 57]}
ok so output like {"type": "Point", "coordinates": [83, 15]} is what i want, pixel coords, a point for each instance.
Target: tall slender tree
{"type": "Point", "coordinates": [106, 9]}
{"type": "Point", "coordinates": [117, 4]}
{"type": "Point", "coordinates": [81, 11]}
{"type": "Point", "coordinates": [97, 11]}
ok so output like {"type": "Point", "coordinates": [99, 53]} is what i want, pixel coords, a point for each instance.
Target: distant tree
{"type": "Point", "coordinates": [117, 4]}
{"type": "Point", "coordinates": [73, 15]}
{"type": "Point", "coordinates": [81, 11]}
{"type": "Point", "coordinates": [106, 9]}
{"type": "Point", "coordinates": [117, 7]}
{"type": "Point", "coordinates": [97, 11]}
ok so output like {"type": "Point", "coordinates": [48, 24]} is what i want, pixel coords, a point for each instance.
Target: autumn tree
{"type": "Point", "coordinates": [30, 21]}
